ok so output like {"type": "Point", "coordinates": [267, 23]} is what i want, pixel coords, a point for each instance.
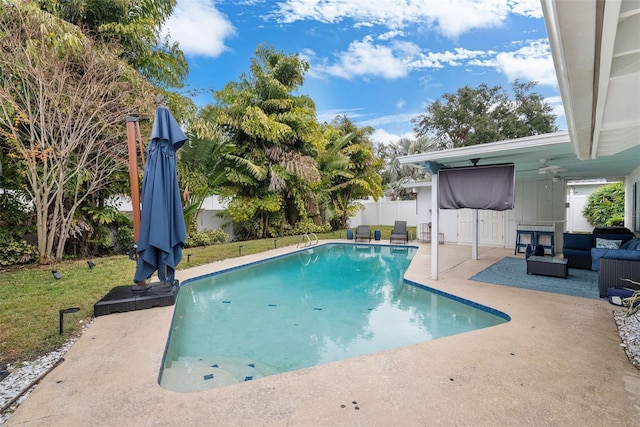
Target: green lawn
{"type": "Point", "coordinates": [30, 297]}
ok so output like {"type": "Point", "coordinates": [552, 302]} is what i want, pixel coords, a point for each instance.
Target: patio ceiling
{"type": "Point", "coordinates": [596, 52]}
{"type": "Point", "coordinates": [549, 155]}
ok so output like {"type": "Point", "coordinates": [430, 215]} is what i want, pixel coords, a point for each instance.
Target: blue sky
{"type": "Point", "coordinates": [380, 62]}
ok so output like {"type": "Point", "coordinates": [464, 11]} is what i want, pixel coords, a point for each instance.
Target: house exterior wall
{"type": "Point", "coordinates": [536, 200]}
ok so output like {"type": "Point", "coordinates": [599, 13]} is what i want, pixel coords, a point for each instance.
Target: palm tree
{"type": "Point", "coordinates": [396, 175]}
{"type": "Point", "coordinates": [350, 170]}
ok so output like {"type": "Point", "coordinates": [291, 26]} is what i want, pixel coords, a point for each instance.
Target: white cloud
{"type": "Point", "coordinates": [364, 58]}
{"type": "Point", "coordinates": [450, 18]}
{"type": "Point", "coordinates": [390, 35]}
{"type": "Point", "coordinates": [530, 8]}
{"type": "Point", "coordinates": [531, 62]}
{"type": "Point", "coordinates": [402, 119]}
{"type": "Point", "coordinates": [328, 115]}
{"type": "Point", "coordinates": [199, 28]}
{"type": "Point", "coordinates": [383, 137]}
{"type": "Point", "coordinates": [400, 104]}
{"type": "Point", "coordinates": [458, 57]}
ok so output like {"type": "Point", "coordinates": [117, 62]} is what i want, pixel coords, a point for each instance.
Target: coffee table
{"type": "Point", "coordinates": [547, 266]}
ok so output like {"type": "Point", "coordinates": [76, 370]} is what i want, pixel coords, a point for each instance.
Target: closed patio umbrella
{"type": "Point", "coordinates": [162, 227]}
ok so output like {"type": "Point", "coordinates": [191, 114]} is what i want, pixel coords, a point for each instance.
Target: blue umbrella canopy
{"type": "Point", "coordinates": [162, 227]}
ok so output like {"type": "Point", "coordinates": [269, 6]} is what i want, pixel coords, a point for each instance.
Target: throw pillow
{"type": "Point", "coordinates": [608, 244]}
{"type": "Point", "coordinates": [632, 244]}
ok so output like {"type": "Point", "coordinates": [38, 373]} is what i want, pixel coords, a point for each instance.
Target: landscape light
{"type": "Point", "coordinates": [91, 264]}
{"type": "Point", "coordinates": [56, 274]}
{"type": "Point", "coordinates": [65, 311]}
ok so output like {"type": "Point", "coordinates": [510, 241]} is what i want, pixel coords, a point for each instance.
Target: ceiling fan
{"type": "Point", "coordinates": [544, 169]}
{"type": "Point", "coordinates": [551, 169]}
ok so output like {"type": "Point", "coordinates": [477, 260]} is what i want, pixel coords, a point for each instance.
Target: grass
{"type": "Point", "coordinates": [30, 297]}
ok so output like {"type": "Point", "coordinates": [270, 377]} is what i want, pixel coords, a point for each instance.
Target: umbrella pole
{"type": "Point", "coordinates": [133, 130]}
{"type": "Point", "coordinates": [132, 124]}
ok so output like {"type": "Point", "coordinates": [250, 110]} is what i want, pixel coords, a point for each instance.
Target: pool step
{"type": "Point", "coordinates": [195, 374]}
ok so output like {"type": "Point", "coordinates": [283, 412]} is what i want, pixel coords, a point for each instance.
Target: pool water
{"type": "Point", "coordinates": [311, 307]}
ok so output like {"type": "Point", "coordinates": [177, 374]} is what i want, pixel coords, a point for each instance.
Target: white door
{"type": "Point", "coordinates": [490, 227]}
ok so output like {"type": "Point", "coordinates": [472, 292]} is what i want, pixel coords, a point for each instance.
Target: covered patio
{"type": "Point", "coordinates": [596, 53]}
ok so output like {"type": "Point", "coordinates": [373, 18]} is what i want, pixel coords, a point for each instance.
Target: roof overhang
{"type": "Point", "coordinates": [596, 52]}
{"type": "Point", "coordinates": [549, 155]}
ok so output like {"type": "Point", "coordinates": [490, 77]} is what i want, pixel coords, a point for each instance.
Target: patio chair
{"type": "Point", "coordinates": [399, 232]}
{"type": "Point", "coordinates": [363, 232]}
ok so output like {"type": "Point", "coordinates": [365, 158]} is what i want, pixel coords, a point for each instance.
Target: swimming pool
{"type": "Point", "coordinates": [314, 306]}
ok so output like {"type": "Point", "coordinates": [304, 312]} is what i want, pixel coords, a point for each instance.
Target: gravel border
{"type": "Point", "coordinates": [21, 375]}
{"type": "Point", "coordinates": [629, 330]}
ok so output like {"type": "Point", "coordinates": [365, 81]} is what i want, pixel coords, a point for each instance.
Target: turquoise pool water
{"type": "Point", "coordinates": [314, 306]}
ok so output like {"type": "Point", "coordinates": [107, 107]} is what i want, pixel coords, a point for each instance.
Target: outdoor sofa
{"type": "Point", "coordinates": [616, 265]}
{"type": "Point", "coordinates": [576, 247]}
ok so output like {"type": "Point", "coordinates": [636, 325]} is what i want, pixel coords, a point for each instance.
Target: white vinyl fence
{"type": "Point", "coordinates": [387, 212]}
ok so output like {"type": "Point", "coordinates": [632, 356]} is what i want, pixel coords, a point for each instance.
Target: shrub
{"type": "Point", "coordinates": [14, 250]}
{"type": "Point", "coordinates": [122, 230]}
{"type": "Point", "coordinates": [206, 238]}
{"type": "Point", "coordinates": [308, 226]}
{"type": "Point", "coordinates": [605, 206]}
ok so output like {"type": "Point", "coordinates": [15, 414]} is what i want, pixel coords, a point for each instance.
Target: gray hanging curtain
{"type": "Point", "coordinates": [489, 187]}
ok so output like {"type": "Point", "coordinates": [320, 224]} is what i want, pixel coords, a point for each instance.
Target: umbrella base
{"type": "Point", "coordinates": [129, 298]}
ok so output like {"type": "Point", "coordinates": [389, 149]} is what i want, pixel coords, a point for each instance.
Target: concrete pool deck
{"type": "Point", "coordinates": [557, 362]}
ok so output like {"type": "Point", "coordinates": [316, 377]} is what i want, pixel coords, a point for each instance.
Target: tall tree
{"type": "Point", "coordinates": [134, 26]}
{"type": "Point", "coordinates": [132, 29]}
{"type": "Point", "coordinates": [395, 175]}
{"type": "Point", "coordinates": [486, 114]}
{"type": "Point", "coordinates": [62, 104]}
{"type": "Point", "coordinates": [350, 169]}
{"type": "Point", "coordinates": [204, 164]}
{"type": "Point", "coordinates": [277, 135]}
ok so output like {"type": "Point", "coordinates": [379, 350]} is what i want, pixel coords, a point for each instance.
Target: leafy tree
{"type": "Point", "coordinates": [395, 175]}
{"type": "Point", "coordinates": [134, 26]}
{"type": "Point", "coordinates": [203, 165]}
{"type": "Point", "coordinates": [131, 29]}
{"type": "Point", "coordinates": [62, 103]}
{"type": "Point", "coordinates": [605, 206]}
{"type": "Point", "coordinates": [350, 170]}
{"type": "Point", "coordinates": [486, 114]}
{"type": "Point", "coordinates": [277, 136]}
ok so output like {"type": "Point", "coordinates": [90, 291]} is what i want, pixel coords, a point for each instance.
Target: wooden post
{"type": "Point", "coordinates": [132, 130]}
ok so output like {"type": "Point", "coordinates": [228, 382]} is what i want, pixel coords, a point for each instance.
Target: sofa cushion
{"type": "Point", "coordinates": [625, 254]}
{"type": "Point", "coordinates": [633, 244]}
{"type": "Point", "coordinates": [608, 243]}
{"type": "Point", "coordinates": [579, 241]}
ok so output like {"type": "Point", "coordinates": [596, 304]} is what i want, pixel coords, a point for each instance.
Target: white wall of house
{"type": "Point", "coordinates": [537, 201]}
